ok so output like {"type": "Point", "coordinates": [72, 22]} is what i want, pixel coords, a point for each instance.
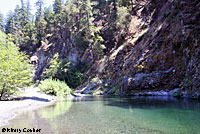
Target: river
{"type": "Point", "coordinates": [113, 115]}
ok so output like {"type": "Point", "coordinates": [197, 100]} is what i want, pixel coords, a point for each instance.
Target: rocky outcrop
{"type": "Point", "coordinates": [160, 50]}
{"type": "Point", "coordinates": [143, 81]}
{"type": "Point", "coordinates": [46, 52]}
{"type": "Point", "coordinates": [157, 51]}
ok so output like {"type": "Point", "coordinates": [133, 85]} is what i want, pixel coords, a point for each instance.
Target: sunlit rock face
{"type": "Point", "coordinates": [157, 50]}
{"type": "Point", "coordinates": [163, 36]}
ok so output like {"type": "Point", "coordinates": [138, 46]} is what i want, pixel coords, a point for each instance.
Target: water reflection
{"type": "Point", "coordinates": [150, 102]}
{"type": "Point", "coordinates": [53, 111]}
{"type": "Point", "coordinates": [154, 103]}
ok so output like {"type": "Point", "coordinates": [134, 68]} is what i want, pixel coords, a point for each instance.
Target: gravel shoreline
{"type": "Point", "coordinates": [32, 98]}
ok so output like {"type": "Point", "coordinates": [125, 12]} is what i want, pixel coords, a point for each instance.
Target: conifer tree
{"type": "Point", "coordinates": [1, 22]}
{"type": "Point", "coordinates": [57, 6]}
{"type": "Point", "coordinates": [10, 24]}
{"type": "Point", "coordinates": [40, 22]}
{"type": "Point", "coordinates": [49, 18]}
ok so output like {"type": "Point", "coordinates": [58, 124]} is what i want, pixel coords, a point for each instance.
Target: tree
{"type": "Point", "coordinates": [10, 24]}
{"type": "Point", "coordinates": [57, 6]}
{"type": "Point", "coordinates": [24, 13]}
{"type": "Point", "coordinates": [1, 22]}
{"type": "Point", "coordinates": [40, 22]}
{"type": "Point", "coordinates": [39, 6]}
{"type": "Point", "coordinates": [49, 18]}
{"type": "Point", "coordinates": [21, 27]}
{"type": "Point", "coordinates": [17, 17]}
{"type": "Point", "coordinates": [15, 71]}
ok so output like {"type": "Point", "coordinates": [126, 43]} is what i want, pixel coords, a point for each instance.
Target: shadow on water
{"type": "Point", "coordinates": [31, 98]}
{"type": "Point", "coordinates": [150, 102]}
{"type": "Point", "coordinates": [36, 99]}
{"type": "Point", "coordinates": [155, 102]}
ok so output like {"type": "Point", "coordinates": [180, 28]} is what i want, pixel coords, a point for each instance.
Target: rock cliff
{"type": "Point", "coordinates": [158, 50]}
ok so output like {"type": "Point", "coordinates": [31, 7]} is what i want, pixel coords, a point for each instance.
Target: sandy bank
{"type": "Point", "coordinates": [32, 99]}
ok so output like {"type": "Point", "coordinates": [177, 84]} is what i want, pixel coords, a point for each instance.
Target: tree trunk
{"type": "Point", "coordinates": [2, 92]}
{"type": "Point", "coordinates": [115, 6]}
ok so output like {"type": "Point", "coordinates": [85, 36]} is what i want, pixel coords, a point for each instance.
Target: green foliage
{"type": "Point", "coordinates": [53, 69]}
{"type": "Point", "coordinates": [176, 94]}
{"type": "Point", "coordinates": [123, 17]}
{"type": "Point", "coordinates": [55, 87]}
{"type": "Point", "coordinates": [114, 90]}
{"type": "Point", "coordinates": [98, 47]}
{"type": "Point", "coordinates": [19, 24]}
{"type": "Point", "coordinates": [40, 22]}
{"type": "Point", "coordinates": [10, 24]}
{"type": "Point", "coordinates": [1, 22]}
{"type": "Point", "coordinates": [95, 80]}
{"type": "Point", "coordinates": [187, 83]}
{"type": "Point", "coordinates": [64, 71]}
{"type": "Point", "coordinates": [14, 68]}
{"type": "Point", "coordinates": [49, 18]}
{"type": "Point", "coordinates": [57, 6]}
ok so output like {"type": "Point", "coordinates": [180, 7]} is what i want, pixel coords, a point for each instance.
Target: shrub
{"type": "Point", "coordinates": [122, 17]}
{"type": "Point", "coordinates": [96, 80]}
{"type": "Point", "coordinates": [64, 71]}
{"type": "Point", "coordinates": [114, 90]}
{"type": "Point", "coordinates": [55, 87]}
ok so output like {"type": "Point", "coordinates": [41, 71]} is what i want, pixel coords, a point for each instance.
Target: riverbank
{"type": "Point", "coordinates": [30, 99]}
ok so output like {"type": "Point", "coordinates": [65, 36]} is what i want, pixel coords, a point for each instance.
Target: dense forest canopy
{"type": "Point", "coordinates": [65, 19]}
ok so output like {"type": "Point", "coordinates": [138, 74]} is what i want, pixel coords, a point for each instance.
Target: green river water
{"type": "Point", "coordinates": [113, 115]}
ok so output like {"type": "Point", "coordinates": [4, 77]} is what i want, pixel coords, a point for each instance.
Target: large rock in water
{"type": "Point", "coordinates": [143, 81]}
